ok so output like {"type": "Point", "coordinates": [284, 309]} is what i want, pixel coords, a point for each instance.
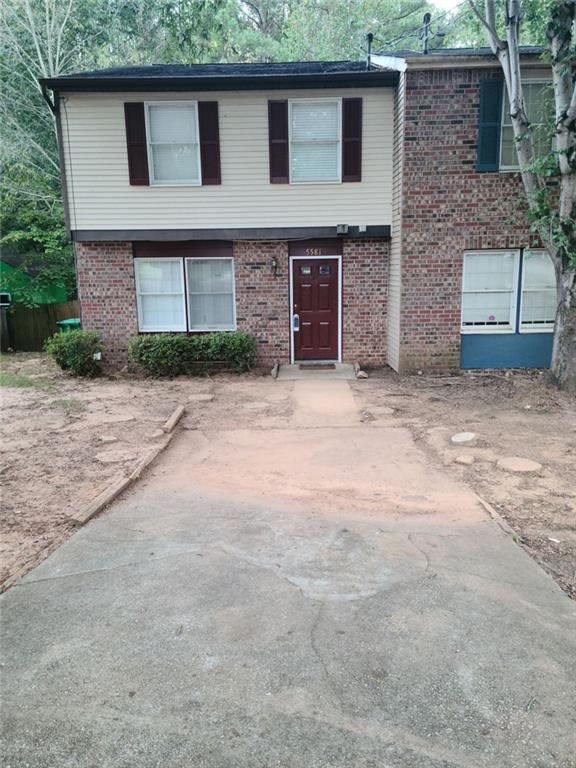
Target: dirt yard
{"type": "Point", "coordinates": [64, 440]}
{"type": "Point", "coordinates": [510, 415]}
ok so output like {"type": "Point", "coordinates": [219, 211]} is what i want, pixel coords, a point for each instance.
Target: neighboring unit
{"type": "Point", "coordinates": [338, 211]}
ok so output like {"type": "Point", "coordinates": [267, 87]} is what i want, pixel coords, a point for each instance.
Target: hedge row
{"type": "Point", "coordinates": [174, 354]}
{"type": "Point", "coordinates": [163, 354]}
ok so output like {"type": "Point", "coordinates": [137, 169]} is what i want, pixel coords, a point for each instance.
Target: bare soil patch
{"type": "Point", "coordinates": [62, 442]}
{"type": "Point", "coordinates": [511, 414]}
{"type": "Point", "coordinates": [55, 432]}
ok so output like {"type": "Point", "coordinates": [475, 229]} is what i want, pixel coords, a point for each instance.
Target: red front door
{"type": "Point", "coordinates": [315, 311]}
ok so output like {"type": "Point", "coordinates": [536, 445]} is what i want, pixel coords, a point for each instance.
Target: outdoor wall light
{"type": "Point", "coordinates": [274, 266]}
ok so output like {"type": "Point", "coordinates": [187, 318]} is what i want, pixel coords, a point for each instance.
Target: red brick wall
{"type": "Point", "coordinates": [262, 298]}
{"type": "Point", "coordinates": [108, 297]}
{"type": "Point", "coordinates": [447, 208]}
{"type": "Point", "coordinates": [364, 293]}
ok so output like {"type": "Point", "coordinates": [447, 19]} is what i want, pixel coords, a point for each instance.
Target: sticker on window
{"type": "Point", "coordinates": [305, 270]}
{"type": "Point", "coordinates": [325, 269]}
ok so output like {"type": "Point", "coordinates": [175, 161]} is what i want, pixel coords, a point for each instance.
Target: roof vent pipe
{"type": "Point", "coordinates": [369, 39]}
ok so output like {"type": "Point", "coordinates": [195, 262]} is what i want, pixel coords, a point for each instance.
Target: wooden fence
{"type": "Point", "coordinates": [26, 330]}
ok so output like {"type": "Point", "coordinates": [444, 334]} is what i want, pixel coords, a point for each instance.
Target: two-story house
{"type": "Point", "coordinates": [338, 211]}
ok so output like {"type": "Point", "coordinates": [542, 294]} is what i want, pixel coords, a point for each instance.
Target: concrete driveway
{"type": "Point", "coordinates": [306, 592]}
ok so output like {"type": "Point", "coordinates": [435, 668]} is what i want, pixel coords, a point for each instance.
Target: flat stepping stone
{"type": "Point", "coordinates": [463, 437]}
{"type": "Point", "coordinates": [257, 406]}
{"type": "Point", "coordinates": [517, 464]}
{"type": "Point", "coordinates": [464, 459]}
{"type": "Point", "coordinates": [115, 457]}
{"type": "Point", "coordinates": [108, 439]}
{"type": "Point", "coordinates": [201, 397]}
{"type": "Point", "coordinates": [120, 419]}
{"type": "Point", "coordinates": [158, 433]}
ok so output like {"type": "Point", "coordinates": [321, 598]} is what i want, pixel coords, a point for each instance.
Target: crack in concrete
{"type": "Point", "coordinates": [318, 655]}
{"type": "Point", "coordinates": [132, 563]}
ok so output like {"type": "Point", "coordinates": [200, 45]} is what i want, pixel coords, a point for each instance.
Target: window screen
{"type": "Point", "coordinates": [210, 294]}
{"type": "Point", "coordinates": [489, 290]}
{"type": "Point", "coordinates": [538, 291]}
{"type": "Point", "coordinates": [173, 143]}
{"type": "Point", "coordinates": [539, 107]}
{"type": "Point", "coordinates": [314, 141]}
{"type": "Point", "coordinates": [160, 295]}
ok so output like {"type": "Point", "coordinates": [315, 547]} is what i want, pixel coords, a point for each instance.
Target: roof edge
{"type": "Point", "coordinates": [367, 79]}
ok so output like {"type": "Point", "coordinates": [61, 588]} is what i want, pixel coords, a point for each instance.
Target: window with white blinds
{"type": "Point", "coordinates": [315, 135]}
{"type": "Point", "coordinates": [160, 294]}
{"type": "Point", "coordinates": [538, 308]}
{"type": "Point", "coordinates": [211, 303]}
{"type": "Point", "coordinates": [489, 291]}
{"type": "Point", "coordinates": [173, 142]}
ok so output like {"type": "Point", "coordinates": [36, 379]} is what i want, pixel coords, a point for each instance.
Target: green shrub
{"type": "Point", "coordinates": [74, 351]}
{"type": "Point", "coordinates": [174, 354]}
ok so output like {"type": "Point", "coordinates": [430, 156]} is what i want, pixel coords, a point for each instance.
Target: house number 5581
{"type": "Point", "coordinates": [313, 251]}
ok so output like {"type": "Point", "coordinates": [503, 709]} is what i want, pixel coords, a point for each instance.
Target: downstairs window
{"type": "Point", "coordinates": [180, 294]}
{"type": "Point", "coordinates": [508, 292]}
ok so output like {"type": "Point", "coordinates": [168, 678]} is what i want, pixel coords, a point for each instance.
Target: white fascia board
{"type": "Point", "coordinates": [388, 62]}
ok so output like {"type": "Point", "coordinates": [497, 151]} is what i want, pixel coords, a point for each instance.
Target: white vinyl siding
{"type": "Point", "coordinates": [160, 294]}
{"type": "Point", "coordinates": [489, 287]}
{"type": "Point", "coordinates": [211, 303]}
{"type": "Point", "coordinates": [538, 307]}
{"type": "Point", "coordinates": [101, 197]}
{"type": "Point", "coordinates": [173, 143]}
{"type": "Point", "coordinates": [315, 140]}
{"type": "Point", "coordinates": [539, 107]}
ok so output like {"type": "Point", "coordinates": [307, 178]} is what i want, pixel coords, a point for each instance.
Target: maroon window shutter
{"type": "Point", "coordinates": [209, 142]}
{"type": "Point", "coordinates": [136, 143]}
{"type": "Point", "coordinates": [352, 139]}
{"type": "Point", "coordinates": [278, 141]}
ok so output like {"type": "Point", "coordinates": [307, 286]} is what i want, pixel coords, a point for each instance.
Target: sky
{"type": "Point", "coordinates": [446, 5]}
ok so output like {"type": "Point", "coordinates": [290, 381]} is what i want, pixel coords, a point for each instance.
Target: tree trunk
{"type": "Point", "coordinates": [563, 365]}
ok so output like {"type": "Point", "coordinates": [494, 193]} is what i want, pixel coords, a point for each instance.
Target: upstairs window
{"type": "Point", "coordinates": [538, 308]}
{"type": "Point", "coordinates": [489, 291]}
{"type": "Point", "coordinates": [315, 140]}
{"type": "Point", "coordinates": [173, 143]}
{"type": "Point", "coordinates": [539, 107]}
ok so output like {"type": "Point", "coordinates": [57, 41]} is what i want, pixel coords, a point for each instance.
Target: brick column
{"type": "Point", "coordinates": [364, 294]}
{"type": "Point", "coordinates": [262, 298]}
{"type": "Point", "coordinates": [108, 296]}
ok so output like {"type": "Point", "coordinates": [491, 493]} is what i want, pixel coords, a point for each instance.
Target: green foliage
{"type": "Point", "coordinates": [38, 238]}
{"type": "Point", "coordinates": [74, 351]}
{"type": "Point", "coordinates": [11, 379]}
{"type": "Point", "coordinates": [465, 29]}
{"type": "Point", "coordinates": [175, 354]}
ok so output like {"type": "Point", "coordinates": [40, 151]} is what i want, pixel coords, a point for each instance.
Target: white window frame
{"type": "Point", "coordinates": [479, 329]}
{"type": "Point", "coordinates": [542, 327]}
{"type": "Point", "coordinates": [188, 259]}
{"type": "Point", "coordinates": [326, 99]}
{"type": "Point", "coordinates": [164, 329]}
{"type": "Point", "coordinates": [535, 81]}
{"type": "Point", "coordinates": [180, 182]}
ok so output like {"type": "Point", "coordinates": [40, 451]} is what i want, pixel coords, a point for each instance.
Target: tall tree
{"type": "Point", "coordinates": [550, 182]}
